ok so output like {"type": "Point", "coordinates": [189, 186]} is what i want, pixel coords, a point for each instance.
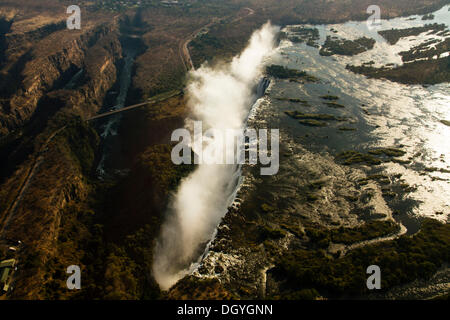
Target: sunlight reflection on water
{"type": "Point", "coordinates": [395, 114]}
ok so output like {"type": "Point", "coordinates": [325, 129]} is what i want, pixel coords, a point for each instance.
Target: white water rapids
{"type": "Point", "coordinates": [220, 97]}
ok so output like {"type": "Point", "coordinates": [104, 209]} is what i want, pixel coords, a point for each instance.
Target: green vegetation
{"type": "Point", "coordinates": [294, 229]}
{"type": "Point", "coordinates": [330, 97]}
{"type": "Point", "coordinates": [313, 187]}
{"type": "Point", "coordinates": [370, 230]}
{"type": "Point", "coordinates": [314, 116]}
{"type": "Point", "coordinates": [125, 5]}
{"type": "Point", "coordinates": [308, 35]}
{"type": "Point", "coordinates": [109, 227]}
{"type": "Point", "coordinates": [367, 231]}
{"type": "Point", "coordinates": [110, 270]}
{"type": "Point", "coordinates": [296, 39]}
{"type": "Point", "coordinates": [303, 294]}
{"type": "Point", "coordinates": [308, 32]}
{"type": "Point", "coordinates": [389, 152]}
{"type": "Point", "coordinates": [113, 240]}
{"type": "Point", "coordinates": [393, 35]}
{"type": "Point", "coordinates": [200, 289]}
{"type": "Point", "coordinates": [267, 233]}
{"type": "Point", "coordinates": [81, 140]}
{"type": "Point", "coordinates": [381, 178]}
{"type": "Point", "coordinates": [355, 157]}
{"type": "Point", "coordinates": [283, 72]}
{"type": "Point", "coordinates": [222, 40]}
{"type": "Point", "coordinates": [267, 208]}
{"type": "Point", "coordinates": [446, 122]}
{"type": "Point", "coordinates": [347, 129]}
{"type": "Point", "coordinates": [418, 72]}
{"type": "Point", "coordinates": [373, 157]}
{"type": "Point", "coordinates": [293, 100]}
{"type": "Point", "coordinates": [317, 184]}
{"type": "Point", "coordinates": [423, 51]}
{"type": "Point", "coordinates": [319, 237]}
{"type": "Point", "coordinates": [312, 43]}
{"type": "Point", "coordinates": [313, 119]}
{"type": "Point", "coordinates": [334, 105]}
{"type": "Point", "coordinates": [205, 40]}
{"type": "Point", "coordinates": [311, 197]}
{"type": "Point", "coordinates": [402, 260]}
{"type": "Point", "coordinates": [313, 123]}
{"type": "Point", "coordinates": [156, 164]}
{"type": "Point", "coordinates": [434, 169]}
{"type": "Point", "coordinates": [307, 78]}
{"type": "Point", "coordinates": [388, 193]}
{"type": "Point", "coordinates": [399, 161]}
{"type": "Point", "coordinates": [333, 45]}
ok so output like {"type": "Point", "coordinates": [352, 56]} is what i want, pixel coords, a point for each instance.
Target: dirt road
{"type": "Point", "coordinates": [185, 55]}
{"type": "Point", "coordinates": [31, 172]}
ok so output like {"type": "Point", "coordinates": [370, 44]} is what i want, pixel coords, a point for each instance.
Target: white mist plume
{"type": "Point", "coordinates": [220, 97]}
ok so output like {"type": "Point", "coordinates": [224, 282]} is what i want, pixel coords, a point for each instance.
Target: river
{"type": "Point", "coordinates": [380, 113]}
{"type": "Point", "coordinates": [110, 154]}
{"type": "Point", "coordinates": [383, 113]}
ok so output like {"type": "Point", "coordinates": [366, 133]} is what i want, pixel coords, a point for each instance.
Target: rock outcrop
{"type": "Point", "coordinates": [32, 74]}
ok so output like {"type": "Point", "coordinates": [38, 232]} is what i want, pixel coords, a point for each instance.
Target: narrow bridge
{"type": "Point", "coordinates": [134, 106]}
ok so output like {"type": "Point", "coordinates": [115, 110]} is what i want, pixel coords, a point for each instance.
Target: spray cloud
{"type": "Point", "coordinates": [220, 97]}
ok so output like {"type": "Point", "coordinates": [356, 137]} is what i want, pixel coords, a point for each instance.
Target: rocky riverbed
{"type": "Point", "coordinates": [368, 167]}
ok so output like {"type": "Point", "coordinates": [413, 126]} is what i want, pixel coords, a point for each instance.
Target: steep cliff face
{"type": "Point", "coordinates": [72, 76]}
{"type": "Point", "coordinates": [50, 79]}
{"type": "Point", "coordinates": [56, 57]}
{"type": "Point", "coordinates": [57, 182]}
{"type": "Point", "coordinates": [5, 26]}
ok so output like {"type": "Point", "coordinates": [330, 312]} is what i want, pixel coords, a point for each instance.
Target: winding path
{"type": "Point", "coordinates": [41, 156]}
{"type": "Point", "coordinates": [184, 45]}
{"type": "Point", "coordinates": [335, 247]}
{"type": "Point", "coordinates": [31, 172]}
